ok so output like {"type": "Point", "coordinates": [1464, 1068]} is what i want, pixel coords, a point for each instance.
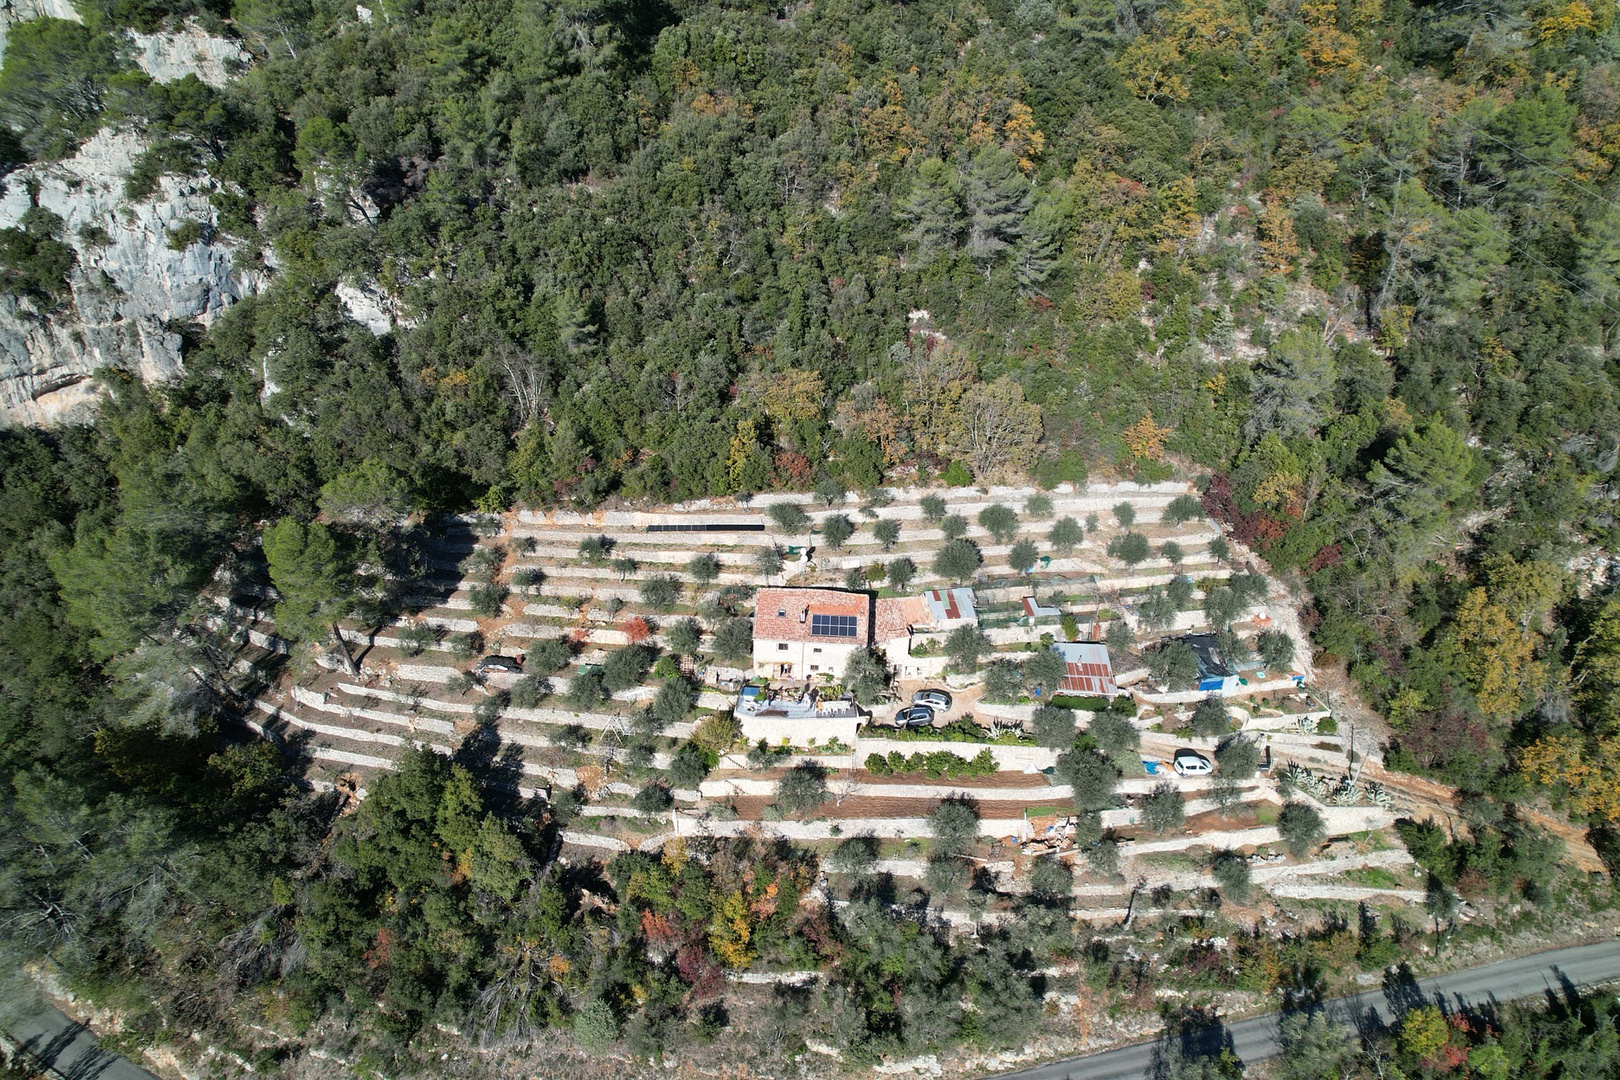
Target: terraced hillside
{"type": "Point", "coordinates": [568, 591]}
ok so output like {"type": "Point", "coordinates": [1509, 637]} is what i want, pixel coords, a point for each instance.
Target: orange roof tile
{"type": "Point", "coordinates": [784, 614]}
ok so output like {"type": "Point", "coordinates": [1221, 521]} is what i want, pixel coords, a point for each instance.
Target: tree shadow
{"type": "Point", "coordinates": [1192, 1033]}
{"type": "Point", "coordinates": [497, 766]}
{"type": "Point", "coordinates": [1566, 1001]}
{"type": "Point", "coordinates": [1401, 990]}
{"type": "Point", "coordinates": [86, 1061]}
{"type": "Point", "coordinates": [878, 888]}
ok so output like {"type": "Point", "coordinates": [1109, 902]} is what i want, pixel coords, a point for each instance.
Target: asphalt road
{"type": "Point", "coordinates": [1254, 1039]}
{"type": "Point", "coordinates": [68, 1049]}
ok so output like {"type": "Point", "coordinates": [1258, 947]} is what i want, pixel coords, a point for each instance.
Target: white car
{"type": "Point", "coordinates": [1191, 763]}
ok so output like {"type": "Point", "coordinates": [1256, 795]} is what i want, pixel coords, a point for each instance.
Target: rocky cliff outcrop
{"type": "Point", "coordinates": [131, 288]}
{"type": "Point", "coordinates": [167, 57]}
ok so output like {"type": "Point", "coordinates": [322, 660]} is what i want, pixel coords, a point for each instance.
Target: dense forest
{"type": "Point", "coordinates": [1353, 267]}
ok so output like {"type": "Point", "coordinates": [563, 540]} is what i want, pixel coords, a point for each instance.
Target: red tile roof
{"type": "Point", "coordinates": [784, 614]}
{"type": "Point", "coordinates": [897, 615]}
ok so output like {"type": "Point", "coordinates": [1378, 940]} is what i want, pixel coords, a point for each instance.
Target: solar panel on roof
{"type": "Point", "coordinates": [832, 626]}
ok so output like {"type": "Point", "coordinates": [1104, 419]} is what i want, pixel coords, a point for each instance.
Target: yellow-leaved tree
{"type": "Point", "coordinates": [1494, 654]}
{"type": "Point", "coordinates": [1588, 767]}
{"type": "Point", "coordinates": [1279, 245]}
{"type": "Point", "coordinates": [730, 931]}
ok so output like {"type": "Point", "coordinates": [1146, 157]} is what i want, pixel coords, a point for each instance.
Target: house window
{"type": "Point", "coordinates": [781, 613]}
{"type": "Point", "coordinates": [781, 647]}
{"type": "Point", "coordinates": [815, 667]}
{"type": "Point", "coordinates": [817, 651]}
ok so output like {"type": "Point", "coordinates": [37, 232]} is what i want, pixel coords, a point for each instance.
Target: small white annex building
{"type": "Point", "coordinates": [903, 621]}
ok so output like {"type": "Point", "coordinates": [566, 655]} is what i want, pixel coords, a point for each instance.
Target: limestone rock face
{"type": "Point", "coordinates": [369, 306]}
{"type": "Point", "coordinates": [130, 289]}
{"type": "Point", "coordinates": [169, 57]}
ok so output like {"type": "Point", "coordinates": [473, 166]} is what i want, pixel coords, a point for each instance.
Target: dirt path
{"type": "Point", "coordinates": [749, 807]}
{"type": "Point", "coordinates": [1433, 797]}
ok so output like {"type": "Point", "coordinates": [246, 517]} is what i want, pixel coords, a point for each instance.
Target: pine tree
{"type": "Point", "coordinates": [932, 212]}
{"type": "Point", "coordinates": [1038, 248]}
{"type": "Point", "coordinates": [998, 201]}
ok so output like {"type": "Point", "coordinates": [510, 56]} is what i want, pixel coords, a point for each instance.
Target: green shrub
{"type": "Point", "coordinates": [1327, 726]}
{"type": "Point", "coordinates": [1164, 809]}
{"type": "Point", "coordinates": [595, 1026]}
{"type": "Point", "coordinates": [1182, 509]}
{"type": "Point", "coordinates": [1231, 872]}
{"type": "Point", "coordinates": [1302, 829]}
{"type": "Point", "coordinates": [184, 235]}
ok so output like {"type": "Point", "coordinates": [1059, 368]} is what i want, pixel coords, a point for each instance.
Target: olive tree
{"type": "Point", "coordinates": [830, 490]}
{"type": "Point", "coordinates": [1022, 556]}
{"type": "Point", "coordinates": [1003, 681]}
{"type": "Point", "coordinates": [901, 573]}
{"type": "Point", "coordinates": [1179, 589]}
{"type": "Point", "coordinates": [653, 798]}
{"type": "Point", "coordinates": [673, 702]}
{"type": "Point", "coordinates": [1276, 649]}
{"type": "Point", "coordinates": [684, 636]}
{"type": "Point", "coordinates": [1065, 534]}
{"type": "Point", "coordinates": [1231, 872]}
{"type": "Point", "coordinates": [626, 667]}
{"type": "Point", "coordinates": [999, 521]}
{"type": "Point", "coordinates": [866, 676]}
{"type": "Point", "coordinates": [965, 645]}
{"type": "Point", "coordinates": [1130, 548]}
{"type": "Point", "coordinates": [768, 561]}
{"type": "Point", "coordinates": [887, 533]}
{"type": "Point", "coordinates": [789, 517]}
{"type": "Point", "coordinates": [734, 641]}
{"type": "Point", "coordinates": [660, 592]}
{"type": "Point", "coordinates": [1103, 857]}
{"type": "Point", "coordinates": [704, 568]}
{"type": "Point", "coordinates": [1054, 727]}
{"type": "Point", "coordinates": [1045, 670]}
{"type": "Point", "coordinates": [855, 856]}
{"type": "Point", "coordinates": [1051, 880]}
{"type": "Point", "coordinates": [802, 789]}
{"type": "Point", "coordinates": [1172, 664]}
{"type": "Point", "coordinates": [1117, 737]}
{"type": "Point", "coordinates": [958, 560]}
{"type": "Point", "coordinates": [1210, 719]}
{"type": "Point", "coordinates": [1093, 777]}
{"type": "Point", "coordinates": [1163, 808]}
{"type": "Point", "coordinates": [954, 825]}
{"type": "Point", "coordinates": [836, 529]}
{"type": "Point", "coordinates": [1237, 757]}
{"type": "Point", "coordinates": [1182, 509]}
{"type": "Point", "coordinates": [1301, 827]}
